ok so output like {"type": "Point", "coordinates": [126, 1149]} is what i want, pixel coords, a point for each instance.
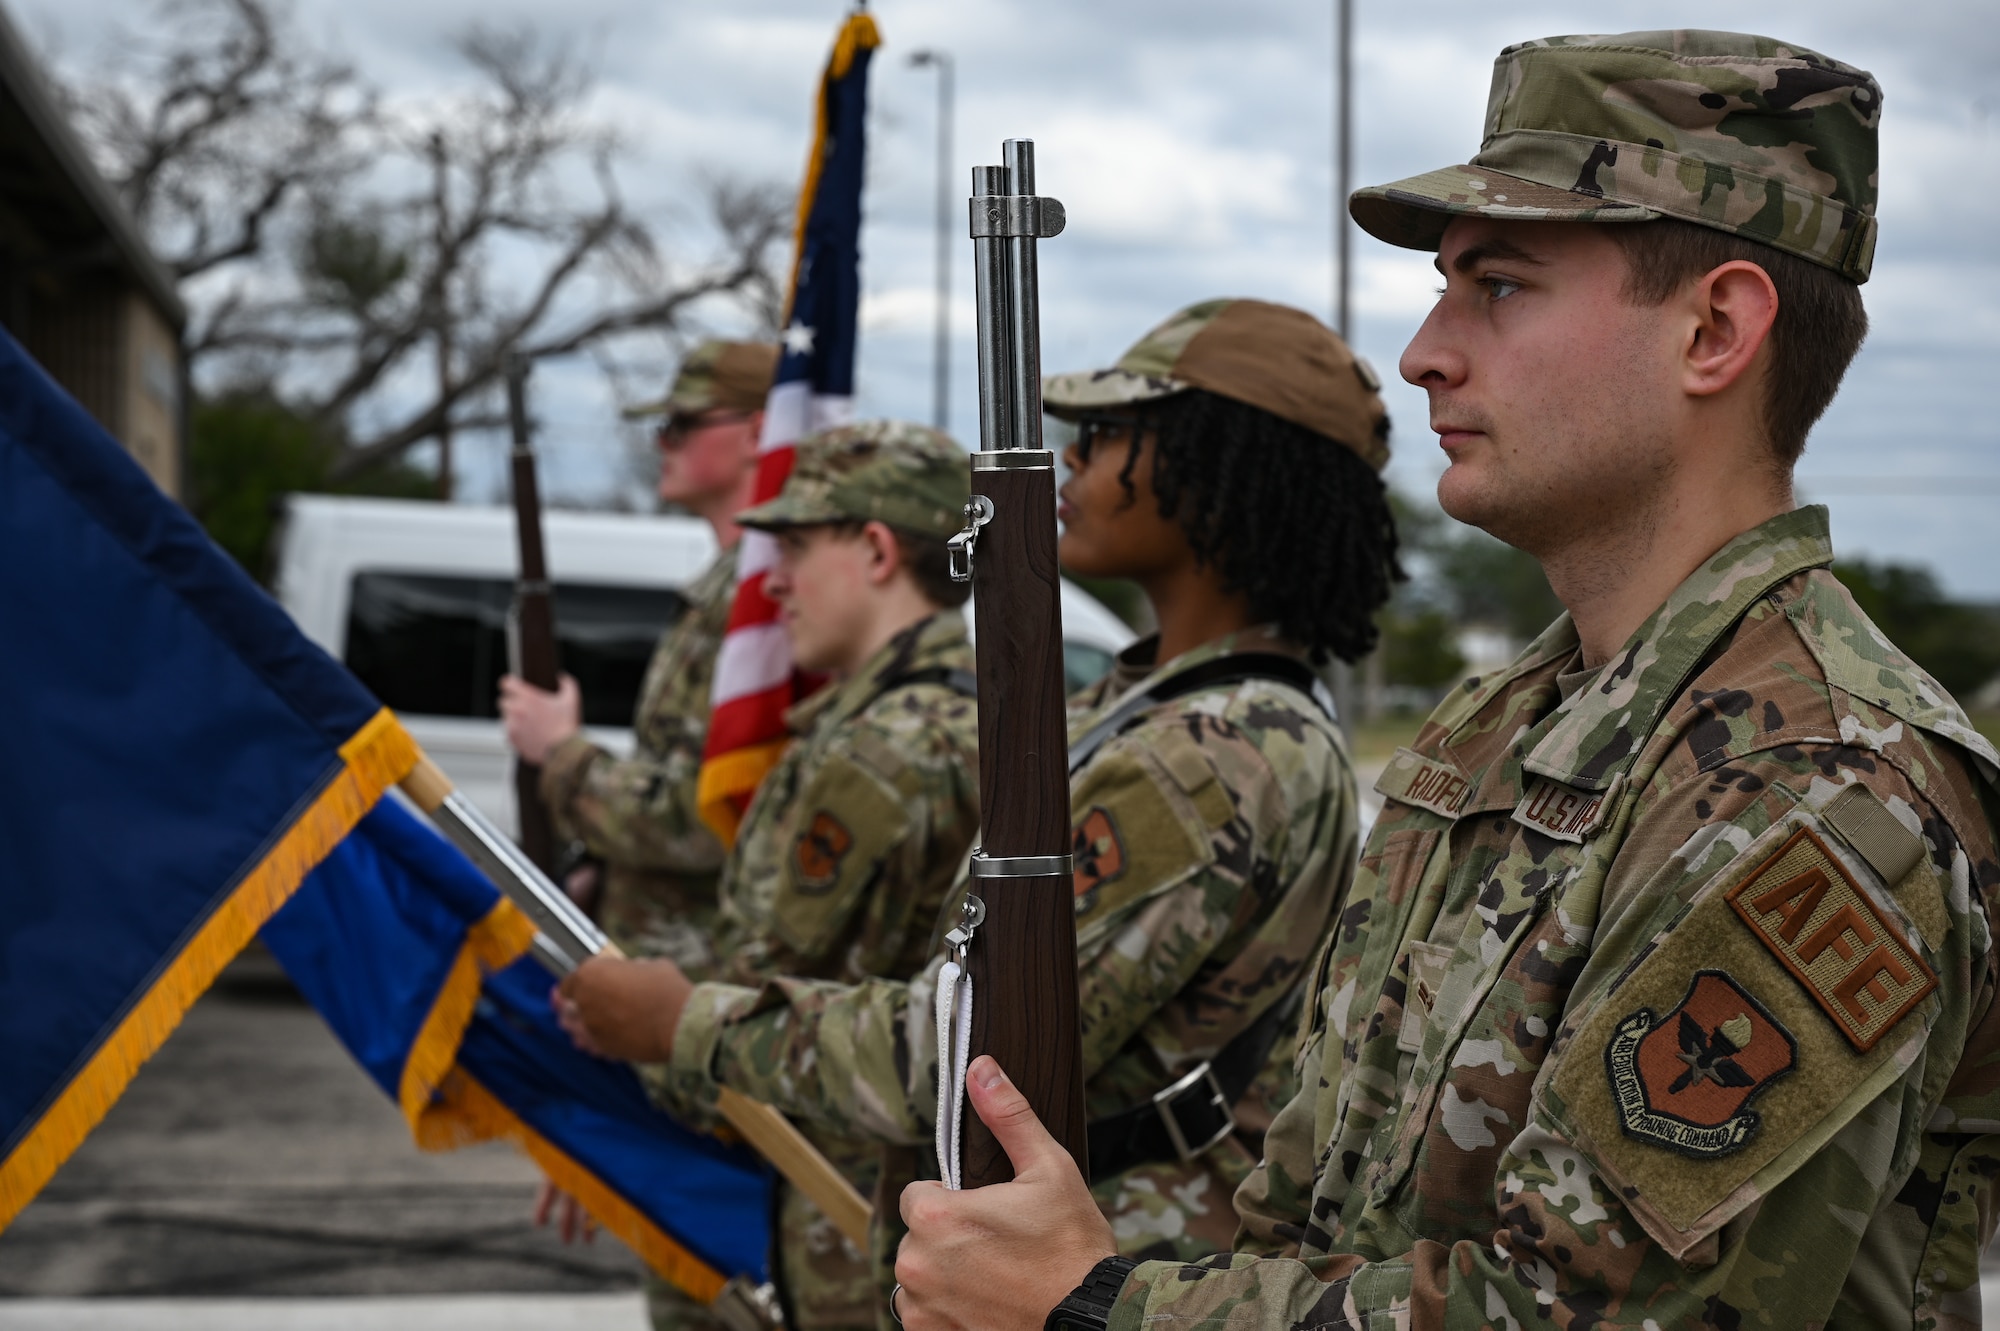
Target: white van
{"type": "Point", "coordinates": [413, 597]}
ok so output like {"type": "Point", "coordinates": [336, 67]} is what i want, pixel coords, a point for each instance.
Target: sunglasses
{"type": "Point", "coordinates": [1099, 427]}
{"type": "Point", "coordinates": [675, 430]}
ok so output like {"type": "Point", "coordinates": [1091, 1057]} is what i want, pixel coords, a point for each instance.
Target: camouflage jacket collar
{"type": "Point", "coordinates": [1137, 667]}
{"type": "Point", "coordinates": [937, 641]}
{"type": "Point", "coordinates": [1589, 740]}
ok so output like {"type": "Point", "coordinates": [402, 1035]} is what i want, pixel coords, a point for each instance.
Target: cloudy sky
{"type": "Point", "coordinates": [1191, 143]}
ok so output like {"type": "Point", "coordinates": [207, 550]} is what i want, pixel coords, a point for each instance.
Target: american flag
{"type": "Point", "coordinates": [814, 389]}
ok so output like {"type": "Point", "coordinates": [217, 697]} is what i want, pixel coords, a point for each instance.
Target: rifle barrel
{"type": "Point", "coordinates": [532, 640]}
{"type": "Point", "coordinates": [1023, 956]}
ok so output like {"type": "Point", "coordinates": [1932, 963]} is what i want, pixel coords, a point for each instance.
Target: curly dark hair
{"type": "Point", "coordinates": [1296, 522]}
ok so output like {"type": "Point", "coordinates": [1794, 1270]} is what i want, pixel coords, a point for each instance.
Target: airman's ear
{"type": "Point", "coordinates": [885, 552]}
{"type": "Point", "coordinates": [1735, 305]}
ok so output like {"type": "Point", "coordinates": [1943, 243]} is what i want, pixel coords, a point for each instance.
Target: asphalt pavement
{"type": "Point", "coordinates": [251, 1159]}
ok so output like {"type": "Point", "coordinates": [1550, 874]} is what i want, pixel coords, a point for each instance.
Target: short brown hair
{"type": "Point", "coordinates": [927, 561]}
{"type": "Point", "coordinates": [1819, 326]}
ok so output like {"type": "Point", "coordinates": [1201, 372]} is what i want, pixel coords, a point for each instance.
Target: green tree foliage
{"type": "Point", "coordinates": [1489, 582]}
{"type": "Point", "coordinates": [1418, 648]}
{"type": "Point", "coordinates": [1957, 643]}
{"type": "Point", "coordinates": [1458, 577]}
{"type": "Point", "coordinates": [248, 450]}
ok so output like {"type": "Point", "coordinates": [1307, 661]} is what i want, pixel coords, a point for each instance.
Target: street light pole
{"type": "Point", "coordinates": [1343, 170]}
{"type": "Point", "coordinates": [1352, 697]}
{"type": "Point", "coordinates": [941, 352]}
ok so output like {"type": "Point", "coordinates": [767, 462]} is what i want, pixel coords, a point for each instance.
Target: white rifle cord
{"type": "Point", "coordinates": [954, 1032]}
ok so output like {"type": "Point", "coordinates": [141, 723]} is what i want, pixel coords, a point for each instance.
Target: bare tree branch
{"type": "Point", "coordinates": [274, 173]}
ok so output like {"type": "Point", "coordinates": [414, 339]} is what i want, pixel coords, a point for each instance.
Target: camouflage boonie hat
{"type": "Point", "coordinates": [1271, 356]}
{"type": "Point", "coordinates": [733, 376]}
{"type": "Point", "coordinates": [1756, 137]}
{"type": "Point", "coordinates": [908, 476]}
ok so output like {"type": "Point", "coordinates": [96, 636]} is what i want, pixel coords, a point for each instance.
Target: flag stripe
{"type": "Point", "coordinates": [466, 1113]}
{"type": "Point", "coordinates": [758, 659]}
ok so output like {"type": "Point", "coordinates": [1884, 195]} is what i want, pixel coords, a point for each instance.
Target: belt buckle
{"type": "Point", "coordinates": [1163, 1104]}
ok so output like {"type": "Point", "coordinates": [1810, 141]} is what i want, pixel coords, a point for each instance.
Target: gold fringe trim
{"type": "Point", "coordinates": [727, 783]}
{"type": "Point", "coordinates": [857, 34]}
{"type": "Point", "coordinates": [497, 941]}
{"type": "Point", "coordinates": [378, 756]}
{"type": "Point", "coordinates": [466, 1112]}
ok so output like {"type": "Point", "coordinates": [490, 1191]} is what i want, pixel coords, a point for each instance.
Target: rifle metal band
{"type": "Point", "coordinates": [1016, 215]}
{"type": "Point", "coordinates": [533, 587]}
{"type": "Point", "coordinates": [1020, 866]}
{"type": "Point", "coordinates": [1015, 459]}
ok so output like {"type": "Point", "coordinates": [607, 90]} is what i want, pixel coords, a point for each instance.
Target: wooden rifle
{"type": "Point", "coordinates": [1022, 918]}
{"type": "Point", "coordinates": [531, 622]}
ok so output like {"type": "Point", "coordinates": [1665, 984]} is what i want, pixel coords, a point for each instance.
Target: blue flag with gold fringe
{"type": "Point", "coordinates": [187, 769]}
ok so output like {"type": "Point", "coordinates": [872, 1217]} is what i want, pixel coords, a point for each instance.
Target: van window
{"type": "Point", "coordinates": [433, 645]}
{"type": "Point", "coordinates": [1083, 664]}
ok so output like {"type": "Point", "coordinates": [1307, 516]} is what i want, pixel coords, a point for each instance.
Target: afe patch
{"type": "Point", "coordinates": [1834, 939]}
{"type": "Point", "coordinates": [1098, 851]}
{"type": "Point", "coordinates": [1684, 1080]}
{"type": "Point", "coordinates": [821, 848]}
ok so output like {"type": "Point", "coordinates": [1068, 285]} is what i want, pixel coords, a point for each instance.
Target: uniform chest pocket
{"type": "Point", "coordinates": [1474, 1098]}
{"type": "Point", "coordinates": [1369, 925]}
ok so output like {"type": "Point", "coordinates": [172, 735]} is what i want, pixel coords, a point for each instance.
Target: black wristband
{"type": "Point", "coordinates": [1088, 1307]}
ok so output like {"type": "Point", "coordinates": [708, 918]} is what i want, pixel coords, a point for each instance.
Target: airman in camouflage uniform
{"type": "Point", "coordinates": [1215, 832]}
{"type": "Point", "coordinates": [1661, 999]}
{"type": "Point", "coordinates": [1665, 994]}
{"type": "Point", "coordinates": [637, 815]}
{"type": "Point", "coordinates": [852, 842]}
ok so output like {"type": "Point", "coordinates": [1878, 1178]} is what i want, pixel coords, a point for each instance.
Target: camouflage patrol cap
{"type": "Point", "coordinates": [1756, 137]}
{"type": "Point", "coordinates": [908, 476]}
{"type": "Point", "coordinates": [733, 376]}
{"type": "Point", "coordinates": [1271, 356]}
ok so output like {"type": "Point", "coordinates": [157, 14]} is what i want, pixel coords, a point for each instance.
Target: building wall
{"type": "Point", "coordinates": [151, 387]}
{"type": "Point", "coordinates": [104, 342]}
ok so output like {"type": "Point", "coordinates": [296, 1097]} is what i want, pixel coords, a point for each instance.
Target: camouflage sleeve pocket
{"type": "Point", "coordinates": [1138, 829]}
{"type": "Point", "coordinates": [1790, 993]}
{"type": "Point", "coordinates": [844, 827]}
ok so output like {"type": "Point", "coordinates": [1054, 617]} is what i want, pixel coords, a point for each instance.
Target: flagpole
{"type": "Point", "coordinates": [568, 939]}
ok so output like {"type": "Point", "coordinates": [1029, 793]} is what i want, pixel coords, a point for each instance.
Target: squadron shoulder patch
{"type": "Point", "coordinates": [1835, 941]}
{"type": "Point", "coordinates": [1684, 1080]}
{"type": "Point", "coordinates": [821, 848]}
{"type": "Point", "coordinates": [1098, 851]}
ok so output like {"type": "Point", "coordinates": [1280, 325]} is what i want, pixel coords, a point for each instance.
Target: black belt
{"type": "Point", "coordinates": [1191, 1115]}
